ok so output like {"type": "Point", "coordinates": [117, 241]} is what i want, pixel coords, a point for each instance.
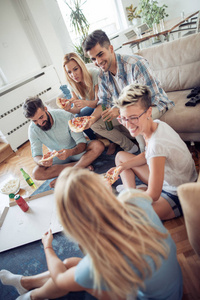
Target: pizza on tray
{"type": "Point", "coordinates": [112, 175]}
{"type": "Point", "coordinates": [62, 102]}
{"type": "Point", "coordinates": [49, 155]}
{"type": "Point", "coordinates": [78, 124]}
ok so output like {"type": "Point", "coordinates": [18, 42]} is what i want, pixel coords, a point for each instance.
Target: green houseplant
{"type": "Point", "coordinates": [152, 13]}
{"type": "Point", "coordinates": [79, 24]}
{"type": "Point", "coordinates": [132, 12]}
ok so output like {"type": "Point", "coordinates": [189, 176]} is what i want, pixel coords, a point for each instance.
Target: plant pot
{"type": "Point", "coordinates": [155, 28]}
{"type": "Point", "coordinates": [162, 25]}
{"type": "Point", "coordinates": [136, 21]}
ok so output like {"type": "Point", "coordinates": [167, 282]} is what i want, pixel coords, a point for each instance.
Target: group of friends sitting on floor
{"type": "Point", "coordinates": [128, 252]}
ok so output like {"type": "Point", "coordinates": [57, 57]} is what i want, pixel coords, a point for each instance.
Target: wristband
{"type": "Point", "coordinates": [48, 247]}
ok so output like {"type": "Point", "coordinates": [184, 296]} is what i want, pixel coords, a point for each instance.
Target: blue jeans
{"type": "Point", "coordinates": [87, 111]}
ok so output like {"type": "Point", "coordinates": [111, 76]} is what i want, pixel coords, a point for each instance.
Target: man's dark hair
{"type": "Point", "coordinates": [31, 106]}
{"type": "Point", "coordinates": [96, 37]}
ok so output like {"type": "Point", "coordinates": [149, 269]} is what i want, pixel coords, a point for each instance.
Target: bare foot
{"type": "Point", "coordinates": [90, 167]}
{"type": "Point", "coordinates": [52, 183]}
{"type": "Point", "coordinates": [111, 149]}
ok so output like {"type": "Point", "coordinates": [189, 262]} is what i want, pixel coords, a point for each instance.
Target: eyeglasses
{"type": "Point", "coordinates": [131, 120]}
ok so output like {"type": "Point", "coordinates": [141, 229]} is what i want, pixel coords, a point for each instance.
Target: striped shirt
{"type": "Point", "coordinates": [131, 70]}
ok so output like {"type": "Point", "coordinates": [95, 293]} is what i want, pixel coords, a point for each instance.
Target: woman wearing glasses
{"type": "Point", "coordinates": [166, 162]}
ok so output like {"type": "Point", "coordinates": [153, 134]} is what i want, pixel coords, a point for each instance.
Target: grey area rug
{"type": "Point", "coordinates": [30, 259]}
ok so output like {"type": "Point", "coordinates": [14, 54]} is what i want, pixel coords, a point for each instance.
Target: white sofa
{"type": "Point", "coordinates": [177, 65]}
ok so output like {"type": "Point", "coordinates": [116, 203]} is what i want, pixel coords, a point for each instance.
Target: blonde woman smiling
{"type": "Point", "coordinates": [83, 84]}
{"type": "Point", "coordinates": [129, 253]}
{"type": "Point", "coordinates": [166, 162]}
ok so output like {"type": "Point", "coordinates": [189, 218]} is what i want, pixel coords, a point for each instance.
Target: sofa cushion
{"type": "Point", "coordinates": [183, 119]}
{"type": "Point", "coordinates": [189, 195]}
{"type": "Point", "coordinates": [176, 64]}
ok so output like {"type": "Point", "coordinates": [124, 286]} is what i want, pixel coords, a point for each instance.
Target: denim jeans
{"type": "Point", "coordinates": [87, 111]}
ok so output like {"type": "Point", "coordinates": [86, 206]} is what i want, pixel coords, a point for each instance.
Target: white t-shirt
{"type": "Point", "coordinates": [179, 165]}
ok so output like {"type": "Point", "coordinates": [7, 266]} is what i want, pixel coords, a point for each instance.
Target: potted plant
{"type": "Point", "coordinates": [152, 13]}
{"type": "Point", "coordinates": [80, 25]}
{"type": "Point", "coordinates": [132, 13]}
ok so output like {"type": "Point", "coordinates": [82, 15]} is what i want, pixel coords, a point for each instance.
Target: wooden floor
{"type": "Point", "coordinates": [189, 261]}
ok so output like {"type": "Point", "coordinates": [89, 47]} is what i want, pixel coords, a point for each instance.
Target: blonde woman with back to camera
{"type": "Point", "coordinates": [129, 253]}
{"type": "Point", "coordinates": [166, 162]}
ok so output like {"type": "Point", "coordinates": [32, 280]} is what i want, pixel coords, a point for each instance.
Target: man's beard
{"type": "Point", "coordinates": [47, 125]}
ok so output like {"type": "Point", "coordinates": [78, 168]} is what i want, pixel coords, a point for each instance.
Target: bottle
{"type": "Point", "coordinates": [109, 124]}
{"type": "Point", "coordinates": [21, 202]}
{"type": "Point", "coordinates": [28, 178]}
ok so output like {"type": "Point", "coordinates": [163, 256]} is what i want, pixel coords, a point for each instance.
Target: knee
{"type": "Point", "coordinates": [118, 158]}
{"type": "Point", "coordinates": [97, 146]}
{"type": "Point", "coordinates": [37, 171]}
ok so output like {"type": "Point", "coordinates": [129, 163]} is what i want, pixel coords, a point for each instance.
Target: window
{"type": "Point", "coordinates": [108, 16]}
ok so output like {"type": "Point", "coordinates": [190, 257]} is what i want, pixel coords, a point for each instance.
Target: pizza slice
{"type": "Point", "coordinates": [112, 174]}
{"type": "Point", "coordinates": [49, 155]}
{"type": "Point", "coordinates": [62, 102]}
{"type": "Point", "coordinates": [78, 124]}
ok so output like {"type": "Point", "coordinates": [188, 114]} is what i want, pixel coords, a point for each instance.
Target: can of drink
{"type": "Point", "coordinates": [21, 202]}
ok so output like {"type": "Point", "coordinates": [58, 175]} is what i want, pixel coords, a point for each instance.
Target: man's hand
{"type": "Point", "coordinates": [110, 113]}
{"type": "Point", "coordinates": [64, 154]}
{"type": "Point", "coordinates": [45, 164]}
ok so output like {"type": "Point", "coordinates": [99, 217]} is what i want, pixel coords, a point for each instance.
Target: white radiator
{"type": "Point", "coordinates": [13, 124]}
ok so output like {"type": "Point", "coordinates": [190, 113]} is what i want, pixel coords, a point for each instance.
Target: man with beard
{"type": "Point", "coordinates": [118, 71]}
{"type": "Point", "coordinates": [50, 128]}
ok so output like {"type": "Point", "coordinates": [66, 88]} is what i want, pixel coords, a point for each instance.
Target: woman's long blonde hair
{"type": "Point", "coordinates": [114, 234]}
{"type": "Point", "coordinates": [84, 88]}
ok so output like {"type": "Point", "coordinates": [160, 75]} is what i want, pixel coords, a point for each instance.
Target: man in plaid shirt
{"type": "Point", "coordinates": [118, 71]}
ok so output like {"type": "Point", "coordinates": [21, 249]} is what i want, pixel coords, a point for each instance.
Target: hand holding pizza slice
{"type": "Point", "coordinates": [62, 102]}
{"type": "Point", "coordinates": [78, 124]}
{"type": "Point", "coordinates": [49, 155]}
{"type": "Point", "coordinates": [112, 174]}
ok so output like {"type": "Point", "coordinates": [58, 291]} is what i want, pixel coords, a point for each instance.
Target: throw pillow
{"type": "Point", "coordinates": [65, 91]}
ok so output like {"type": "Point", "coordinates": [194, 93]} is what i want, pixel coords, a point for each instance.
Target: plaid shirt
{"type": "Point", "coordinates": [131, 69]}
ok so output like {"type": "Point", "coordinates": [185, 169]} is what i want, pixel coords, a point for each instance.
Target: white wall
{"type": "Point", "coordinates": [14, 44]}
{"type": "Point", "coordinates": [19, 54]}
{"type": "Point", "coordinates": [53, 30]}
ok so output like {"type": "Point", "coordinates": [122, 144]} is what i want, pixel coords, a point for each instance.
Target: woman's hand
{"type": "Point", "coordinates": [90, 123]}
{"type": "Point", "coordinates": [124, 166]}
{"type": "Point", "coordinates": [68, 106]}
{"type": "Point", "coordinates": [80, 103]}
{"type": "Point", "coordinates": [47, 239]}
